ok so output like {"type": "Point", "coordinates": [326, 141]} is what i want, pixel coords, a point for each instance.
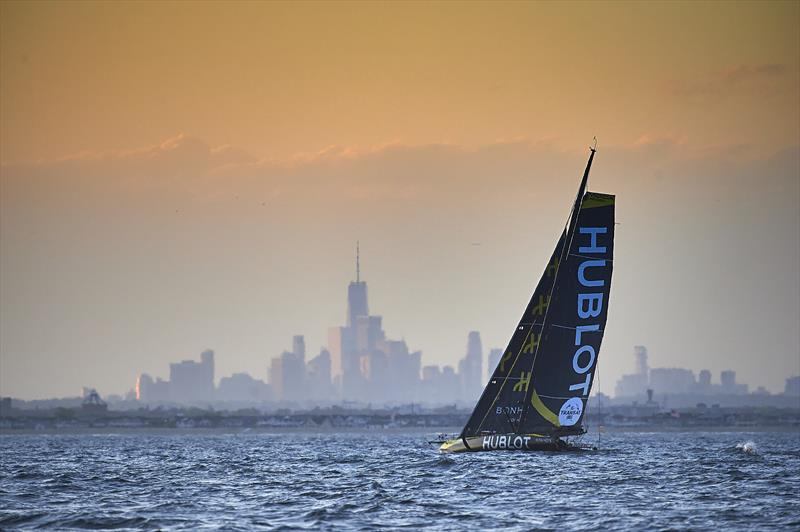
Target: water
{"type": "Point", "coordinates": [637, 481]}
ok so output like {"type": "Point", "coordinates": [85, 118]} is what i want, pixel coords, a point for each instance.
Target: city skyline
{"type": "Point", "coordinates": [197, 177]}
{"type": "Point", "coordinates": [357, 306]}
{"type": "Point", "coordinates": [369, 368]}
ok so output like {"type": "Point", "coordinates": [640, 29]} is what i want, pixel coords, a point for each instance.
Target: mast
{"type": "Point", "coordinates": [581, 191]}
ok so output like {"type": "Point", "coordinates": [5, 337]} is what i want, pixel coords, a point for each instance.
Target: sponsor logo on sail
{"type": "Point", "coordinates": [589, 307]}
{"type": "Point", "coordinates": [570, 412]}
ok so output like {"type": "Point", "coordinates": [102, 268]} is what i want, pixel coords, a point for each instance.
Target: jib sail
{"type": "Point", "coordinates": [543, 379]}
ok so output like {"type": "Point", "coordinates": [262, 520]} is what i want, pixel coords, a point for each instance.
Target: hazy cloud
{"type": "Point", "coordinates": [129, 260]}
{"type": "Point", "coordinates": [760, 79]}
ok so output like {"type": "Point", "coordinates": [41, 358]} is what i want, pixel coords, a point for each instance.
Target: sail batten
{"type": "Point", "coordinates": [543, 379]}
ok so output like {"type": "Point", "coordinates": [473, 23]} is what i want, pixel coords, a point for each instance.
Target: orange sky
{"type": "Point", "coordinates": [179, 176]}
{"type": "Point", "coordinates": [281, 78]}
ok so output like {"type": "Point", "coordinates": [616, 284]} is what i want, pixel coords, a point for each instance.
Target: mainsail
{"type": "Point", "coordinates": [543, 379]}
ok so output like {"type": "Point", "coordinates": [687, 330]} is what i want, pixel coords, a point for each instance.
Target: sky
{"type": "Point", "coordinates": [182, 176]}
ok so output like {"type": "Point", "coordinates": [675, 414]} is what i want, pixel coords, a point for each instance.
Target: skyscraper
{"type": "Point", "coordinates": [299, 347]}
{"type": "Point", "coordinates": [640, 353]}
{"type": "Point", "coordinates": [192, 382]}
{"type": "Point", "coordinates": [469, 368]}
{"type": "Point", "coordinates": [350, 343]}
{"type": "Point", "coordinates": [357, 295]}
{"type": "Point", "coordinates": [494, 360]}
{"type": "Point", "coordinates": [635, 384]}
{"type": "Point", "coordinates": [318, 377]}
{"type": "Point", "coordinates": [365, 366]}
{"type": "Point", "coordinates": [704, 382]}
{"type": "Point", "coordinates": [287, 372]}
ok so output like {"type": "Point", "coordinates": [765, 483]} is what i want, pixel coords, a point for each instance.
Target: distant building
{"type": "Point", "coordinates": [470, 368]}
{"type": "Point", "coordinates": [365, 365]}
{"type": "Point", "coordinates": [631, 385]}
{"type": "Point", "coordinates": [640, 353]}
{"type": "Point", "coordinates": [429, 391]}
{"type": "Point", "coordinates": [192, 382]}
{"type": "Point", "coordinates": [349, 344]}
{"type": "Point", "coordinates": [493, 361]}
{"type": "Point", "coordinates": [375, 371]}
{"type": "Point", "coordinates": [92, 404]}
{"type": "Point", "coordinates": [635, 384]}
{"type": "Point", "coordinates": [318, 377]}
{"type": "Point", "coordinates": [449, 385]}
{"type": "Point", "coordinates": [669, 381]}
{"type": "Point", "coordinates": [728, 384]}
{"type": "Point", "coordinates": [242, 388]}
{"type": "Point", "coordinates": [287, 373]}
{"type": "Point", "coordinates": [143, 384]}
{"type": "Point", "coordinates": [704, 386]}
{"type": "Point", "coordinates": [342, 347]}
{"type": "Point", "coordinates": [356, 300]}
{"type": "Point", "coordinates": [299, 347]}
{"type": "Point", "coordinates": [727, 380]}
{"type": "Point", "coordinates": [149, 391]}
{"type": "Point", "coordinates": [792, 386]}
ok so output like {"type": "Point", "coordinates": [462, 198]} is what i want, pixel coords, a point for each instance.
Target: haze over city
{"type": "Point", "coordinates": [178, 178]}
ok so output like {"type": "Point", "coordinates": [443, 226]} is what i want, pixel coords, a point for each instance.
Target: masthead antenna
{"type": "Point", "coordinates": [594, 146]}
{"type": "Point", "coordinates": [358, 263]}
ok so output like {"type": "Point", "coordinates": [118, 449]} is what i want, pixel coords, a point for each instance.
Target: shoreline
{"type": "Point", "coordinates": [230, 431]}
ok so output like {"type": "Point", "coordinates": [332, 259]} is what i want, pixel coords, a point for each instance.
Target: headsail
{"type": "Point", "coordinates": [544, 377]}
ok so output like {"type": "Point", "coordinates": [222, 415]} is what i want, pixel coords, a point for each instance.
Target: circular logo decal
{"type": "Point", "coordinates": [570, 412]}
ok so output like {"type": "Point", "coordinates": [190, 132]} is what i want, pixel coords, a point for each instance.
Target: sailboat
{"type": "Point", "coordinates": [536, 397]}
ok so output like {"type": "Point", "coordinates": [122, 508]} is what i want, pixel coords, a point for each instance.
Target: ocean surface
{"type": "Point", "coordinates": [246, 481]}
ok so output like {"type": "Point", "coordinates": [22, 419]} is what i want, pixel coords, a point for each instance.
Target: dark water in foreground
{"type": "Point", "coordinates": [637, 481]}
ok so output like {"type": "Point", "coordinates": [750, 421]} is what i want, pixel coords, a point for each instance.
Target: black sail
{"type": "Point", "coordinates": [563, 369]}
{"type": "Point", "coordinates": [543, 379]}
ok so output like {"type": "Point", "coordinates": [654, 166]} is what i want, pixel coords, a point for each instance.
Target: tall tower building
{"type": "Point", "coordinates": [318, 376]}
{"type": "Point", "coordinates": [470, 367]}
{"type": "Point", "coordinates": [299, 347]}
{"type": "Point", "coordinates": [493, 361]}
{"type": "Point", "coordinates": [348, 344]}
{"type": "Point", "coordinates": [727, 381]}
{"type": "Point", "coordinates": [640, 354]}
{"type": "Point", "coordinates": [287, 374]}
{"type": "Point", "coordinates": [357, 295]}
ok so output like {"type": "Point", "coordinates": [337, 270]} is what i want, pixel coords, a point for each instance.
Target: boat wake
{"type": "Point", "coordinates": [747, 447]}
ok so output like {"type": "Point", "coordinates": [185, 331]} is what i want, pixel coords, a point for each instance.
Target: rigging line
{"type": "Point", "coordinates": [590, 258]}
{"type": "Point", "coordinates": [572, 224]}
{"type": "Point", "coordinates": [554, 396]}
{"type": "Point", "coordinates": [597, 390]}
{"type": "Point", "coordinates": [571, 328]}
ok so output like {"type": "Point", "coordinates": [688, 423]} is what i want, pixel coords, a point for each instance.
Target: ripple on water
{"type": "Point", "coordinates": [312, 481]}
